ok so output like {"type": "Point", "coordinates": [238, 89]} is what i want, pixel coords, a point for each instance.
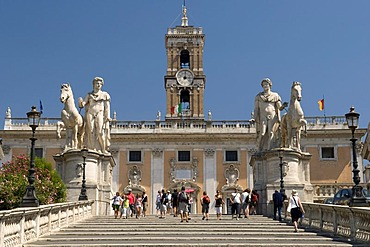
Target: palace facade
{"type": "Point", "coordinates": [189, 148]}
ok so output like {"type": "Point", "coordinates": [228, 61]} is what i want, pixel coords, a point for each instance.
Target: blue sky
{"type": "Point", "coordinates": [322, 44]}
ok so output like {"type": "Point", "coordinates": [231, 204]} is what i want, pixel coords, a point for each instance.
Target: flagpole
{"type": "Point", "coordinates": [323, 97]}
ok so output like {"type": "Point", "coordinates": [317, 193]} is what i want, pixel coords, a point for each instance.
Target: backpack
{"type": "Point", "coordinates": [183, 197]}
{"type": "Point", "coordinates": [254, 198]}
{"type": "Point", "coordinates": [206, 200]}
{"type": "Point", "coordinates": [165, 199]}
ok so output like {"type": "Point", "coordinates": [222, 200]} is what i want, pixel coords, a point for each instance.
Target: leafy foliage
{"type": "Point", "coordinates": [14, 180]}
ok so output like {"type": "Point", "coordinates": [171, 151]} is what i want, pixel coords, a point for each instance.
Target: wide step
{"type": "Point", "coordinates": [152, 231]}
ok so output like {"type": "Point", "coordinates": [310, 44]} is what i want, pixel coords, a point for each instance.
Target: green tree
{"type": "Point", "coordinates": [13, 181]}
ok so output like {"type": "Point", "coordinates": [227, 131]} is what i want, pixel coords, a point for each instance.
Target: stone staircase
{"type": "Point", "coordinates": [152, 231]}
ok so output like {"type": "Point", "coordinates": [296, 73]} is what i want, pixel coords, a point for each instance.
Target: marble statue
{"type": "Point", "coordinates": [71, 118]}
{"type": "Point", "coordinates": [8, 113]}
{"type": "Point", "coordinates": [97, 117]}
{"type": "Point", "coordinates": [267, 107]}
{"type": "Point", "coordinates": [209, 115]}
{"type": "Point", "coordinates": [293, 121]}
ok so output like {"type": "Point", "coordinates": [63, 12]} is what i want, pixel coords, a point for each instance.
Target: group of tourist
{"type": "Point", "coordinates": [129, 205]}
{"type": "Point", "coordinates": [176, 203]}
{"type": "Point", "coordinates": [179, 204]}
{"type": "Point", "coordinates": [244, 203]}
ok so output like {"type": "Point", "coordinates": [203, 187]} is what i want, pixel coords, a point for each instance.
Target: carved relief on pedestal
{"type": "Point", "coordinates": [79, 170]}
{"type": "Point", "coordinates": [183, 171]}
{"type": "Point", "coordinates": [231, 175]}
{"type": "Point", "coordinates": [6, 149]}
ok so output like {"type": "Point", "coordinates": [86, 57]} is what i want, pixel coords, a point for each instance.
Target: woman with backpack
{"type": "Point", "coordinates": [183, 199]}
{"type": "Point", "coordinates": [205, 201]}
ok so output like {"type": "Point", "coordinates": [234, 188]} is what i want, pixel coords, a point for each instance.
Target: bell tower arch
{"type": "Point", "coordinates": [184, 81]}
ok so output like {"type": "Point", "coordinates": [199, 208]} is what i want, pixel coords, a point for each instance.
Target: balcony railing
{"type": "Point", "coordinates": [117, 125]}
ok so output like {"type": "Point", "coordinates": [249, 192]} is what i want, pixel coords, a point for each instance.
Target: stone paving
{"type": "Point", "coordinates": [153, 231]}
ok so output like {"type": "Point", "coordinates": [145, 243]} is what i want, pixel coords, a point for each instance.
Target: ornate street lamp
{"type": "Point", "coordinates": [282, 190]}
{"type": "Point", "coordinates": [357, 199]}
{"type": "Point", "coordinates": [30, 199]}
{"type": "Point", "coordinates": [83, 195]}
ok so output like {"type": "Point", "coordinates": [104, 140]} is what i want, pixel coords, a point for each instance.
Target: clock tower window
{"type": "Point", "coordinates": [185, 59]}
{"type": "Point", "coordinates": [185, 99]}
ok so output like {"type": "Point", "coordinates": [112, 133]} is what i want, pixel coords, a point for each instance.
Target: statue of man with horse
{"type": "Point", "coordinates": [267, 107]}
{"type": "Point", "coordinates": [97, 117]}
{"type": "Point", "coordinates": [293, 121]}
{"type": "Point", "coordinates": [71, 118]}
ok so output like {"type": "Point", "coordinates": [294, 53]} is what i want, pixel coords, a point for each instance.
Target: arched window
{"type": "Point", "coordinates": [185, 100]}
{"type": "Point", "coordinates": [185, 59]}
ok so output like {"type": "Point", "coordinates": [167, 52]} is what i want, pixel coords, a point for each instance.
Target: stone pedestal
{"type": "Point", "coordinates": [98, 177]}
{"type": "Point", "coordinates": [266, 173]}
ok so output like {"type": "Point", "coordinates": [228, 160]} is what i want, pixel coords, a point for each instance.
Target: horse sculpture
{"type": "Point", "coordinates": [293, 121]}
{"type": "Point", "coordinates": [72, 119]}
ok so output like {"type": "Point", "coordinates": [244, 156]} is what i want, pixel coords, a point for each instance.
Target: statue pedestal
{"type": "Point", "coordinates": [98, 174]}
{"type": "Point", "coordinates": [266, 172]}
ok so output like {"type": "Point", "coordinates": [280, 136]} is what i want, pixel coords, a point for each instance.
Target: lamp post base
{"type": "Point", "coordinates": [29, 199]}
{"type": "Point", "coordinates": [83, 198]}
{"type": "Point", "coordinates": [359, 202]}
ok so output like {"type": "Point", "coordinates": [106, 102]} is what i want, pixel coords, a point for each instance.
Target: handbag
{"type": "Point", "coordinates": [300, 213]}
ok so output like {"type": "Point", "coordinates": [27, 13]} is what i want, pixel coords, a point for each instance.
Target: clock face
{"type": "Point", "coordinates": [185, 77]}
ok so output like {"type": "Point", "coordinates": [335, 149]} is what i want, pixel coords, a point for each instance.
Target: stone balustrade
{"type": "Point", "coordinates": [325, 190]}
{"type": "Point", "coordinates": [350, 222]}
{"type": "Point", "coordinates": [22, 225]}
{"type": "Point", "coordinates": [246, 126]}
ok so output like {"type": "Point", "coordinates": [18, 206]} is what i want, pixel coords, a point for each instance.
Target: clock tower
{"type": "Point", "coordinates": [185, 80]}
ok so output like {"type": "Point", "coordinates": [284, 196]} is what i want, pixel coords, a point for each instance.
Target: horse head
{"type": "Point", "coordinates": [296, 91]}
{"type": "Point", "coordinates": [65, 92]}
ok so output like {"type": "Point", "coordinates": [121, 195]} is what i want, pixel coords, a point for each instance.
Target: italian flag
{"type": "Point", "coordinates": [176, 109]}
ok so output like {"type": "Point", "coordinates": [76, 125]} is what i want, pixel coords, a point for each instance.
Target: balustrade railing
{"type": "Point", "coordinates": [22, 225]}
{"type": "Point", "coordinates": [54, 123]}
{"type": "Point", "coordinates": [325, 190]}
{"type": "Point", "coordinates": [349, 222]}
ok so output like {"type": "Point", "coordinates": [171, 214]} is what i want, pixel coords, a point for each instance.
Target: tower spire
{"type": "Point", "coordinates": [184, 19]}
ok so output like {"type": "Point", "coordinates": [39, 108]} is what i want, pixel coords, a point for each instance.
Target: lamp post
{"type": "Point", "coordinates": [357, 199]}
{"type": "Point", "coordinates": [282, 190]}
{"type": "Point", "coordinates": [83, 195]}
{"type": "Point", "coordinates": [30, 199]}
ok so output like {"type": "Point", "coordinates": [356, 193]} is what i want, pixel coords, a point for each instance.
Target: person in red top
{"type": "Point", "coordinates": [131, 201]}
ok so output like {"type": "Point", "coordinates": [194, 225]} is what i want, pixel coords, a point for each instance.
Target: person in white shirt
{"type": "Point", "coordinates": [235, 206]}
{"type": "Point", "coordinates": [295, 208]}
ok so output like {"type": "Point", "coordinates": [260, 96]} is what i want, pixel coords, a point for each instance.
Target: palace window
{"type": "Point", "coordinates": [185, 59]}
{"type": "Point", "coordinates": [231, 155]}
{"type": "Point", "coordinates": [183, 156]}
{"type": "Point", "coordinates": [134, 156]}
{"type": "Point", "coordinates": [327, 153]}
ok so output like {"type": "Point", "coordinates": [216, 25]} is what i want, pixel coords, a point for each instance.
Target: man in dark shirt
{"type": "Point", "coordinates": [175, 202]}
{"type": "Point", "coordinates": [277, 197]}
